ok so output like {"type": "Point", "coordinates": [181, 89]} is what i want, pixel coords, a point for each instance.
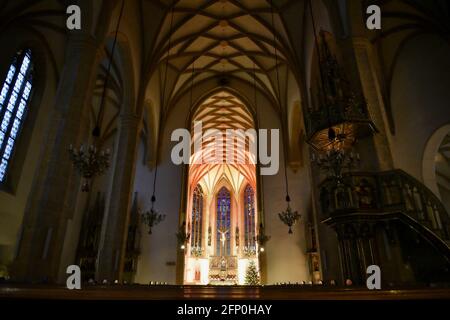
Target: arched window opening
{"type": "Point", "coordinates": [249, 220]}
{"type": "Point", "coordinates": [14, 100]}
{"type": "Point", "coordinates": [228, 239]}
{"type": "Point", "coordinates": [197, 221]}
{"type": "Point", "coordinates": [223, 243]}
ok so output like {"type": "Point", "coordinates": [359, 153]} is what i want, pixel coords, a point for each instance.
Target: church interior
{"type": "Point", "coordinates": [350, 167]}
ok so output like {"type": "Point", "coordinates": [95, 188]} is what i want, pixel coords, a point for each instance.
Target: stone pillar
{"type": "Point", "coordinates": [54, 191]}
{"type": "Point", "coordinates": [115, 224]}
{"type": "Point", "coordinates": [183, 217]}
{"type": "Point", "coordinates": [262, 256]}
{"type": "Point", "coordinates": [372, 93]}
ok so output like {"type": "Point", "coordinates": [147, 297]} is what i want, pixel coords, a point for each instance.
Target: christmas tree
{"type": "Point", "coordinates": [252, 276]}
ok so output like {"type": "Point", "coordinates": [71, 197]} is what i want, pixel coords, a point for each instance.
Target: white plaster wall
{"type": "Point", "coordinates": [420, 100]}
{"type": "Point", "coordinates": [159, 250]}
{"type": "Point", "coordinates": [286, 258]}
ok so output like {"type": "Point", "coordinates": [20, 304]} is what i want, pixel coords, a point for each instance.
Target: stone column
{"type": "Point", "coordinates": [115, 224]}
{"type": "Point", "coordinates": [262, 256]}
{"type": "Point", "coordinates": [54, 191]}
{"type": "Point", "coordinates": [183, 217]}
{"type": "Point", "coordinates": [372, 93]}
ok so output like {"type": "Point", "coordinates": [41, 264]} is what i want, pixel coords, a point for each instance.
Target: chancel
{"type": "Point", "coordinates": [349, 170]}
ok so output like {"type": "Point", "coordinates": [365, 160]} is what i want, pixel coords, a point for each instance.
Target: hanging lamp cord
{"type": "Point", "coordinates": [97, 129]}
{"type": "Point", "coordinates": [288, 199]}
{"type": "Point", "coordinates": [169, 47]}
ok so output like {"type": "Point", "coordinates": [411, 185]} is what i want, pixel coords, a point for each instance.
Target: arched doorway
{"type": "Point", "coordinates": [222, 203]}
{"type": "Point", "coordinates": [436, 164]}
{"type": "Point", "coordinates": [442, 161]}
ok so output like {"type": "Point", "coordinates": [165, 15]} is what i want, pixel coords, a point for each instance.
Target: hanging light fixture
{"type": "Point", "coordinates": [335, 161]}
{"type": "Point", "coordinates": [152, 217]}
{"type": "Point", "coordinates": [288, 217]}
{"type": "Point", "coordinates": [90, 161]}
{"type": "Point", "coordinates": [338, 117]}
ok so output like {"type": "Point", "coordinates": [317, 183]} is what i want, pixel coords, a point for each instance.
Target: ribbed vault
{"type": "Point", "coordinates": [39, 22]}
{"type": "Point", "coordinates": [114, 95]}
{"type": "Point", "coordinates": [403, 21]}
{"type": "Point", "coordinates": [222, 111]}
{"type": "Point", "coordinates": [202, 40]}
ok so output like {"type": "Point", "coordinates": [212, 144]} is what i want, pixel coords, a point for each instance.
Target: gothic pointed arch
{"type": "Point", "coordinates": [15, 96]}
{"type": "Point", "coordinates": [223, 179]}
{"type": "Point", "coordinates": [196, 223]}
{"type": "Point", "coordinates": [223, 223]}
{"type": "Point", "coordinates": [249, 220]}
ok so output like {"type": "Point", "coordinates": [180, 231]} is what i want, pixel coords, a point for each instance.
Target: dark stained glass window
{"type": "Point", "coordinates": [249, 218]}
{"type": "Point", "coordinates": [223, 243]}
{"type": "Point", "coordinates": [197, 220]}
{"type": "Point", "coordinates": [14, 99]}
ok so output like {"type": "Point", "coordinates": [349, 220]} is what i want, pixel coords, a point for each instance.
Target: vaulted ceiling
{"type": "Point", "coordinates": [403, 21]}
{"type": "Point", "coordinates": [200, 40]}
{"type": "Point", "coordinates": [41, 20]}
{"type": "Point", "coordinates": [222, 112]}
{"type": "Point", "coordinates": [175, 44]}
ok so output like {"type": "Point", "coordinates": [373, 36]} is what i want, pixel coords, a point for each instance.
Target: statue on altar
{"type": "Point", "coordinates": [223, 237]}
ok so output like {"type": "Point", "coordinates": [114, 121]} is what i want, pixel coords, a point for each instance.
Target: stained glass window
{"type": "Point", "coordinates": [197, 220]}
{"type": "Point", "coordinates": [249, 218]}
{"type": "Point", "coordinates": [223, 243]}
{"type": "Point", "coordinates": [14, 99]}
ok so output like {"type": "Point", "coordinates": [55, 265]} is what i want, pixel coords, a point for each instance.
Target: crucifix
{"type": "Point", "coordinates": [223, 237]}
